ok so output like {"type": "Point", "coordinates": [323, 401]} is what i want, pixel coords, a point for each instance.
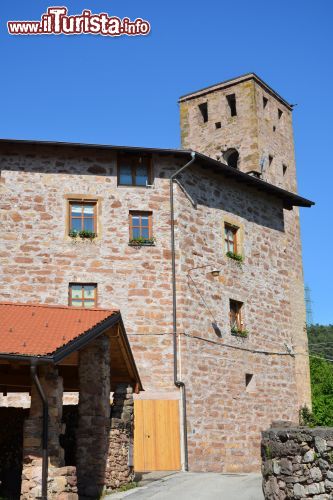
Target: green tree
{"type": "Point", "coordinates": [322, 391]}
{"type": "Point", "coordinates": [320, 346]}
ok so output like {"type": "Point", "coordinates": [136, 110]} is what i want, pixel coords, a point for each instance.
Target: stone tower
{"type": "Point", "coordinates": [244, 123]}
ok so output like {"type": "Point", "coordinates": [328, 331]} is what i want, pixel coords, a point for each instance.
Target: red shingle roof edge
{"type": "Point", "coordinates": [38, 330]}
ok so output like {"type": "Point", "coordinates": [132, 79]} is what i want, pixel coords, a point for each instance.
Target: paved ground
{"type": "Point", "coordinates": [197, 486]}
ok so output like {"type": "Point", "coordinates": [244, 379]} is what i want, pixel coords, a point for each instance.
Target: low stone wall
{"type": "Point", "coordinates": [297, 463]}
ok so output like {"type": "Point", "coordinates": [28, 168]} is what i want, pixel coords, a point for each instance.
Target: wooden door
{"type": "Point", "coordinates": [156, 435]}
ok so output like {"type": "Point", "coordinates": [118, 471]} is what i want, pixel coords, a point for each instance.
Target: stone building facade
{"type": "Point", "coordinates": [236, 385]}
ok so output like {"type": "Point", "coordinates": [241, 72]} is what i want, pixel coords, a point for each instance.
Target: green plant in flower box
{"type": "Point", "coordinates": [142, 241]}
{"type": "Point", "coordinates": [235, 256]}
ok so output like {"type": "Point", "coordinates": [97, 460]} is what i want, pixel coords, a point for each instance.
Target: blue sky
{"type": "Point", "coordinates": [125, 90]}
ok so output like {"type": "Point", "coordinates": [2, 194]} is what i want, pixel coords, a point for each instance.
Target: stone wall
{"type": "Point", "coordinates": [225, 414]}
{"type": "Point", "coordinates": [61, 479]}
{"type": "Point", "coordinates": [38, 261]}
{"type": "Point", "coordinates": [297, 463]}
{"type": "Point", "coordinates": [256, 132]}
{"type": "Point", "coordinates": [119, 469]}
{"type": "Point", "coordinates": [94, 417]}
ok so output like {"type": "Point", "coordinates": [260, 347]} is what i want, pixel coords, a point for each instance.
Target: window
{"type": "Point", "coordinates": [284, 169]}
{"type": "Point", "coordinates": [231, 99]}
{"type": "Point", "coordinates": [82, 216]}
{"type": "Point", "coordinates": [82, 295]}
{"type": "Point", "coordinates": [280, 113]}
{"type": "Point", "coordinates": [248, 378]}
{"type": "Point", "coordinates": [231, 156]}
{"type": "Point", "coordinates": [141, 226]}
{"type": "Point", "coordinates": [270, 160]}
{"type": "Point", "coordinates": [230, 238]}
{"type": "Point", "coordinates": [236, 315]}
{"type": "Point", "coordinates": [264, 102]}
{"type": "Point", "coordinates": [218, 125]}
{"type": "Point", "coordinates": [250, 383]}
{"type": "Point", "coordinates": [134, 170]}
{"type": "Point", "coordinates": [204, 111]}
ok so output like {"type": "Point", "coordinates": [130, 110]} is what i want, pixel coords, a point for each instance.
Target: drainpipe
{"type": "Point", "coordinates": [178, 383]}
{"type": "Point", "coordinates": [33, 370]}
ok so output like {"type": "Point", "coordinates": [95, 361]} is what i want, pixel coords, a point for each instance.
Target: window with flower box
{"type": "Point", "coordinates": [141, 228]}
{"type": "Point", "coordinates": [82, 218]}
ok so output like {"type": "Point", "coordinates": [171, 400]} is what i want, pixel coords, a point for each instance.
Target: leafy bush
{"type": "Point", "coordinates": [322, 391]}
{"type": "Point", "coordinates": [320, 345]}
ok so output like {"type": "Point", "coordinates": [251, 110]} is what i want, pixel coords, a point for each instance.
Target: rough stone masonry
{"type": "Point", "coordinates": [297, 463]}
{"type": "Point", "coordinates": [38, 261]}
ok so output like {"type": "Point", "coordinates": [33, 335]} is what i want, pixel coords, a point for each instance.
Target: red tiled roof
{"type": "Point", "coordinates": [39, 330]}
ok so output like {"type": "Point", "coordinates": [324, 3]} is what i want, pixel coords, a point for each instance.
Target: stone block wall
{"type": "Point", "coordinates": [94, 417]}
{"type": "Point", "coordinates": [297, 463]}
{"type": "Point", "coordinates": [119, 468]}
{"type": "Point", "coordinates": [225, 415]}
{"type": "Point", "coordinates": [61, 479]}
{"type": "Point", "coordinates": [38, 261]}
{"type": "Point", "coordinates": [256, 132]}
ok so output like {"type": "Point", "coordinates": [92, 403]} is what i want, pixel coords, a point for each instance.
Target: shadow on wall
{"type": "Point", "coordinates": [11, 451]}
{"type": "Point", "coordinates": [225, 194]}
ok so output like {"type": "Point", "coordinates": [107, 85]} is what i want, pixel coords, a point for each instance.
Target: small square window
{"type": "Point", "coordinates": [218, 125]}
{"type": "Point", "coordinates": [82, 216]}
{"type": "Point", "coordinates": [230, 238]}
{"type": "Point", "coordinates": [82, 295]}
{"type": "Point", "coordinates": [141, 227]}
{"type": "Point", "coordinates": [134, 170]}
{"type": "Point", "coordinates": [236, 323]}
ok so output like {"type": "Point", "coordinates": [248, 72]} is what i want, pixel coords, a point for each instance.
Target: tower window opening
{"type": "Point", "coordinates": [231, 99]}
{"type": "Point", "coordinates": [248, 378]}
{"type": "Point", "coordinates": [231, 156]}
{"type": "Point", "coordinates": [264, 102]}
{"type": "Point", "coordinates": [270, 160]}
{"type": "Point", "coordinates": [204, 111]}
{"type": "Point", "coordinates": [218, 125]}
{"type": "Point", "coordinates": [250, 383]}
{"type": "Point", "coordinates": [280, 113]}
{"type": "Point", "coordinates": [284, 169]}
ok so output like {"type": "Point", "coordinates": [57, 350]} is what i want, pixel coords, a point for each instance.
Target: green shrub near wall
{"type": "Point", "coordinates": [320, 346]}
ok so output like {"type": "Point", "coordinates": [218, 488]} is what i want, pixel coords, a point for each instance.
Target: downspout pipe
{"type": "Point", "coordinates": [36, 381]}
{"type": "Point", "coordinates": [178, 383]}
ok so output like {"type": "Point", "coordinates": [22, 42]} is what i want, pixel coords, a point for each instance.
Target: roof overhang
{"type": "Point", "coordinates": [14, 367]}
{"type": "Point", "coordinates": [232, 82]}
{"type": "Point", "coordinates": [288, 198]}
